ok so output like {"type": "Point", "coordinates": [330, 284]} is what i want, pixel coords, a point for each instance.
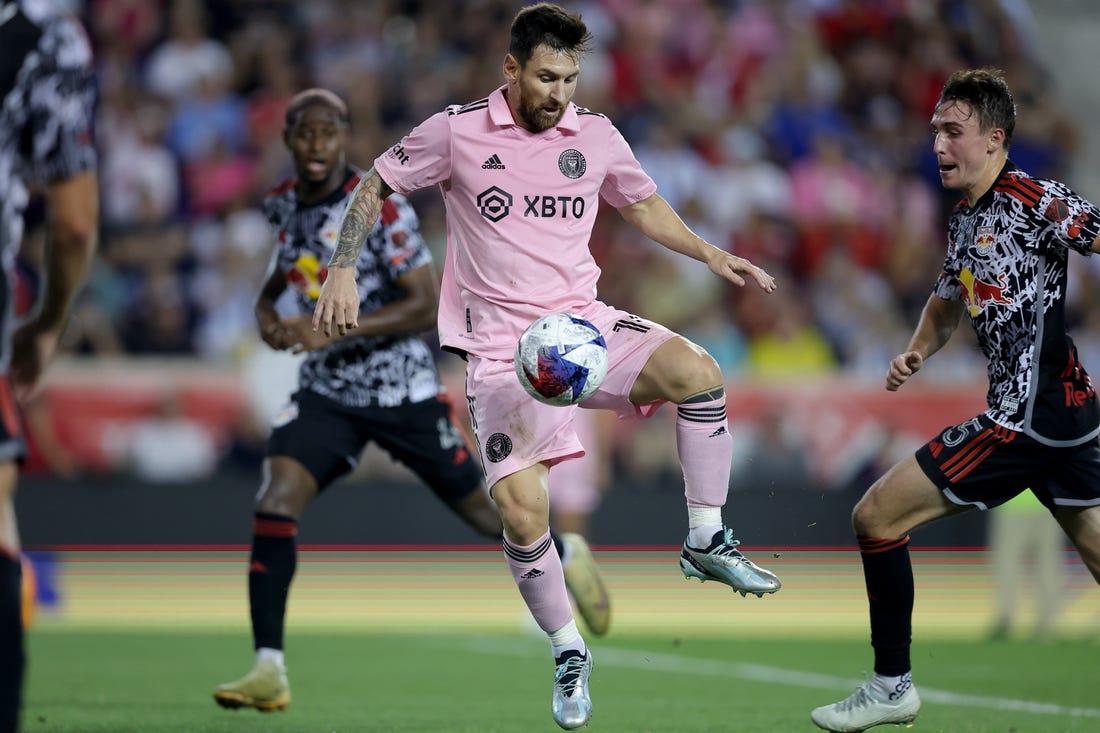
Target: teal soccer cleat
{"type": "Point", "coordinates": [722, 561]}
{"type": "Point", "coordinates": [572, 706]}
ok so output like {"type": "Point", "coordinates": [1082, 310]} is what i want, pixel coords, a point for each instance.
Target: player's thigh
{"type": "Point", "coordinates": [631, 343]}
{"type": "Point", "coordinates": [1082, 526]}
{"type": "Point", "coordinates": [678, 369]}
{"type": "Point", "coordinates": [287, 487]}
{"type": "Point", "coordinates": [514, 431]}
{"type": "Point", "coordinates": [1072, 489]}
{"type": "Point", "coordinates": [320, 435]}
{"type": "Point", "coordinates": [524, 503]}
{"type": "Point", "coordinates": [902, 499]}
{"type": "Point", "coordinates": [425, 437]}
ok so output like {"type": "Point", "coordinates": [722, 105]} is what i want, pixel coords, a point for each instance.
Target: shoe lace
{"type": "Point", "coordinates": [568, 674]}
{"type": "Point", "coordinates": [728, 547]}
{"type": "Point", "coordinates": [858, 699]}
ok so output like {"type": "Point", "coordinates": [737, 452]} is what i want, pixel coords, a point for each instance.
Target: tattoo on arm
{"type": "Point", "coordinates": [359, 218]}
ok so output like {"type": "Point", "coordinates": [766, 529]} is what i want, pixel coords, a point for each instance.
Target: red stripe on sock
{"type": "Point", "coordinates": [874, 545]}
{"type": "Point", "coordinates": [275, 528]}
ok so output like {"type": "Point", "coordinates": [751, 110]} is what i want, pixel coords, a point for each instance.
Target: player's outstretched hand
{"type": "Point", "coordinates": [901, 368]}
{"type": "Point", "coordinates": [732, 268]}
{"type": "Point", "coordinates": [337, 308]}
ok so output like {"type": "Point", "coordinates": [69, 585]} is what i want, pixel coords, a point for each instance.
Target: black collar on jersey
{"type": "Point", "coordinates": [337, 193]}
{"type": "Point", "coordinates": [987, 197]}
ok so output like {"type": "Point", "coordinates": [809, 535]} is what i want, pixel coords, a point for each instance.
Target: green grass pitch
{"type": "Point", "coordinates": [420, 641]}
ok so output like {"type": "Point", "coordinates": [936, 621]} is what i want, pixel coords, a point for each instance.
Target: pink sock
{"type": "Point", "coordinates": [705, 447]}
{"type": "Point", "coordinates": [538, 575]}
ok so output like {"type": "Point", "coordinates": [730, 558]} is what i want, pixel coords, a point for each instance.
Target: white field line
{"type": "Point", "coordinates": [664, 662]}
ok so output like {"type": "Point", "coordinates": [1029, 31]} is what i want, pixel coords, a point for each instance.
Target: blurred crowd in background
{"type": "Point", "coordinates": [792, 132]}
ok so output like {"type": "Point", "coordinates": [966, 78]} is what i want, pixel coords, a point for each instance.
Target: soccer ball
{"type": "Point", "coordinates": [561, 359]}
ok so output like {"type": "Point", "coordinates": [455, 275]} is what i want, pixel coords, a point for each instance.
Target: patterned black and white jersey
{"type": "Point", "coordinates": [1007, 258]}
{"type": "Point", "coordinates": [46, 109]}
{"type": "Point", "coordinates": [381, 371]}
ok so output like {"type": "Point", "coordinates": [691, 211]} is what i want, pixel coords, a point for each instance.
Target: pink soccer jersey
{"type": "Point", "coordinates": [520, 211]}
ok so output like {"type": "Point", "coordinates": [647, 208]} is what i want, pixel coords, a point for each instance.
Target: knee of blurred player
{"type": "Point", "coordinates": [30, 591]}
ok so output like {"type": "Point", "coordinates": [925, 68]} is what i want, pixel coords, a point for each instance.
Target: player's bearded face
{"type": "Point", "coordinates": [546, 84]}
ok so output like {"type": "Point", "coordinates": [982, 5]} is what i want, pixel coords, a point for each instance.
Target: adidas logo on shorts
{"type": "Point", "coordinates": [493, 163]}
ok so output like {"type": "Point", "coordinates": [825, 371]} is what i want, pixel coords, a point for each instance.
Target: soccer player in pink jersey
{"type": "Point", "coordinates": [522, 172]}
{"type": "Point", "coordinates": [376, 385]}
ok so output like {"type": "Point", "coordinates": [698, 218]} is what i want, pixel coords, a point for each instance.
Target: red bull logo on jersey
{"type": "Point", "coordinates": [977, 293]}
{"type": "Point", "coordinates": [984, 238]}
{"type": "Point", "coordinates": [307, 275]}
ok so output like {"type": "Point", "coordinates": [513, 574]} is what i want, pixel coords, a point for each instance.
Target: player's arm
{"type": "Point", "coordinates": [338, 304]}
{"type": "Point", "coordinates": [414, 312]}
{"type": "Point", "coordinates": [938, 322]}
{"type": "Point", "coordinates": [657, 220]}
{"type": "Point", "coordinates": [72, 221]}
{"type": "Point", "coordinates": [270, 324]}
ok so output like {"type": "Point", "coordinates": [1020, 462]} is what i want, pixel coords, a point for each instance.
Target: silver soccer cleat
{"type": "Point", "coordinates": [722, 561]}
{"type": "Point", "coordinates": [864, 709]}
{"type": "Point", "coordinates": [572, 706]}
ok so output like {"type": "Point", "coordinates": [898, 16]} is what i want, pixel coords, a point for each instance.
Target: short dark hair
{"type": "Point", "coordinates": [988, 95]}
{"type": "Point", "coordinates": [310, 97]}
{"type": "Point", "coordinates": [549, 24]}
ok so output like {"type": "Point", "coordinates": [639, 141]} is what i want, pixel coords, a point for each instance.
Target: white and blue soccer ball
{"type": "Point", "coordinates": [561, 359]}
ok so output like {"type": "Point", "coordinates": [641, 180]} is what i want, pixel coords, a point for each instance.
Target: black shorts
{"type": "Point", "coordinates": [983, 464]}
{"type": "Point", "coordinates": [327, 438]}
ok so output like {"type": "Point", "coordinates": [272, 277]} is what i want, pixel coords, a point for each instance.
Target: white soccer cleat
{"type": "Point", "coordinates": [264, 688]}
{"type": "Point", "coordinates": [572, 705]}
{"type": "Point", "coordinates": [865, 709]}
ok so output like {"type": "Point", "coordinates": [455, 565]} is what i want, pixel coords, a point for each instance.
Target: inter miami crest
{"type": "Point", "coordinates": [498, 447]}
{"type": "Point", "coordinates": [572, 164]}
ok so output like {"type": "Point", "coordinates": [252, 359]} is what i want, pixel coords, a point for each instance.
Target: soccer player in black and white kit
{"type": "Point", "coordinates": [1008, 247]}
{"type": "Point", "coordinates": [46, 112]}
{"type": "Point", "coordinates": [377, 383]}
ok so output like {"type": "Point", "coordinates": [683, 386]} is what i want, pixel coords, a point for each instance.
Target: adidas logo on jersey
{"type": "Point", "coordinates": [532, 574]}
{"type": "Point", "coordinates": [493, 163]}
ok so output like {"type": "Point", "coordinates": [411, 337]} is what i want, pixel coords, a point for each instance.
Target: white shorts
{"type": "Point", "coordinates": [515, 431]}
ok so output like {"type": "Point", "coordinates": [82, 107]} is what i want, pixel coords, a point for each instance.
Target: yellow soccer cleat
{"type": "Point", "coordinates": [264, 688]}
{"type": "Point", "coordinates": [582, 577]}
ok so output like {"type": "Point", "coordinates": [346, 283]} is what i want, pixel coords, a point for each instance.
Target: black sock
{"type": "Point", "coordinates": [271, 568]}
{"type": "Point", "coordinates": [888, 573]}
{"type": "Point", "coordinates": [12, 653]}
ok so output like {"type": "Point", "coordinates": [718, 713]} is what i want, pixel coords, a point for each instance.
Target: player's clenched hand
{"type": "Point", "coordinates": [301, 337]}
{"type": "Point", "coordinates": [901, 368]}
{"type": "Point", "coordinates": [337, 308]}
{"type": "Point", "coordinates": [733, 268]}
{"type": "Point", "coordinates": [32, 350]}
